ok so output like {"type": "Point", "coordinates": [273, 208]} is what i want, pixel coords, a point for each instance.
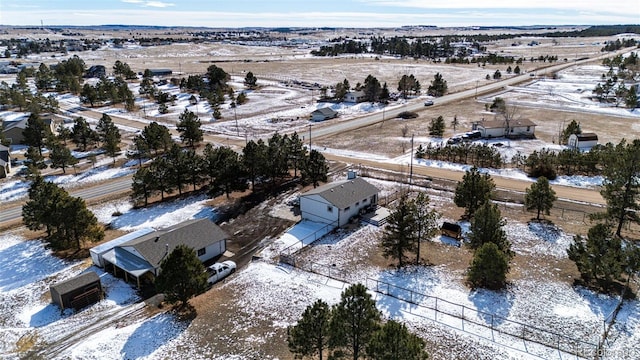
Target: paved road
{"type": "Point", "coordinates": [12, 214]}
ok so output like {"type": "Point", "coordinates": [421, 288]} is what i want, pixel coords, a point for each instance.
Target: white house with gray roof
{"type": "Point", "coordinates": [336, 202]}
{"type": "Point", "coordinates": [137, 257]}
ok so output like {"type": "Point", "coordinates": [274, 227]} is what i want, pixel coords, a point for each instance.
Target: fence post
{"type": "Point", "coordinates": [492, 336]}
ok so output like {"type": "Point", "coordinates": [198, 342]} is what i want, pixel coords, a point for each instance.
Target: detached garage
{"type": "Point", "coordinates": [78, 292]}
{"type": "Point", "coordinates": [583, 141]}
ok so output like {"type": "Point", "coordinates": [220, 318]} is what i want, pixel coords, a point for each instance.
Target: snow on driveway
{"type": "Point", "coordinates": [298, 236]}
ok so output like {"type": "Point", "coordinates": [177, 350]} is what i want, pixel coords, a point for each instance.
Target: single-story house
{"type": "Point", "coordinates": [78, 292]}
{"type": "Point", "coordinates": [335, 203]}
{"type": "Point", "coordinates": [582, 141]}
{"type": "Point", "coordinates": [12, 130]}
{"type": "Point", "coordinates": [355, 96]}
{"type": "Point", "coordinates": [5, 161]}
{"type": "Point", "coordinates": [138, 256]}
{"type": "Point", "coordinates": [323, 114]}
{"type": "Point", "coordinates": [521, 128]}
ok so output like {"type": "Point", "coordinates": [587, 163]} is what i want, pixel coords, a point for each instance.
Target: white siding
{"type": "Point", "coordinates": [316, 208]}
{"type": "Point", "coordinates": [495, 132]}
{"type": "Point", "coordinates": [354, 209]}
{"type": "Point", "coordinates": [213, 250]}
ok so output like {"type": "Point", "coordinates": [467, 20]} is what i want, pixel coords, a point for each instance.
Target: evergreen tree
{"type": "Point", "coordinates": [310, 336]}
{"type": "Point", "coordinates": [82, 134]}
{"type": "Point", "coordinates": [182, 277]}
{"type": "Point", "coordinates": [540, 197]}
{"type": "Point", "coordinates": [315, 168]}
{"type": "Point", "coordinates": [39, 211]}
{"type": "Point", "coordinates": [189, 128]}
{"type": "Point", "coordinates": [44, 79]}
{"type": "Point", "coordinates": [353, 322]}
{"type": "Point", "coordinates": [297, 152]}
{"type": "Point", "coordinates": [572, 128]}
{"type": "Point", "coordinates": [194, 164]}
{"type": "Point", "coordinates": [631, 98]}
{"type": "Point", "coordinates": [600, 257]}
{"type": "Point", "coordinates": [426, 220]}
{"type": "Point", "coordinates": [111, 142]}
{"type": "Point", "coordinates": [253, 160]}
{"type": "Point", "coordinates": [78, 224]}
{"type": "Point", "coordinates": [542, 163]}
{"type": "Point", "coordinates": [34, 159]}
{"type": "Point", "coordinates": [473, 190]}
{"type": "Point", "coordinates": [438, 86]}
{"type": "Point", "coordinates": [621, 185]}
{"type": "Point", "coordinates": [436, 128]}
{"type": "Point", "coordinates": [63, 132]}
{"type": "Point", "coordinates": [399, 236]}
{"type": "Point", "coordinates": [489, 267]}
{"type": "Point", "coordinates": [61, 157]}
{"type": "Point", "coordinates": [157, 137]}
{"type": "Point", "coordinates": [394, 342]}
{"type": "Point", "coordinates": [36, 132]}
{"type": "Point", "coordinates": [250, 80]}
{"type": "Point", "coordinates": [142, 186]}
{"type": "Point", "coordinates": [372, 88]}
{"type": "Point", "coordinates": [486, 226]}
{"type": "Point", "coordinates": [160, 169]}
{"type": "Point", "coordinates": [224, 169]}
{"type": "Point", "coordinates": [139, 149]}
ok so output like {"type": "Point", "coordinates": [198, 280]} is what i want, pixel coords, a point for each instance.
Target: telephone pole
{"type": "Point", "coordinates": [411, 164]}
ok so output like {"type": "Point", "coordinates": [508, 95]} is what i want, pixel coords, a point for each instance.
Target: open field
{"type": "Point", "coordinates": [246, 316]}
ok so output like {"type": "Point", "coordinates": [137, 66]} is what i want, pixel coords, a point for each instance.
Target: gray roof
{"type": "Point", "coordinates": [8, 125]}
{"type": "Point", "coordinates": [326, 111]}
{"type": "Point", "coordinates": [344, 193]}
{"type": "Point", "coordinates": [196, 234]}
{"type": "Point", "coordinates": [497, 124]}
{"type": "Point", "coordinates": [77, 282]}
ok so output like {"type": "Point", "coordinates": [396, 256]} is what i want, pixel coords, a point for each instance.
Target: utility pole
{"type": "Point", "coordinates": [309, 137]}
{"type": "Point", "coordinates": [411, 164]}
{"type": "Point", "coordinates": [235, 114]}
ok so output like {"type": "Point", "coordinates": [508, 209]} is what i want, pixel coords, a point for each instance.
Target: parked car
{"type": "Point", "coordinates": [428, 103]}
{"type": "Point", "coordinates": [475, 134]}
{"type": "Point", "coordinates": [219, 271]}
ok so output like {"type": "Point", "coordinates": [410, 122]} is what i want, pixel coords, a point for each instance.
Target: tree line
{"type": "Point", "coordinates": [220, 169]}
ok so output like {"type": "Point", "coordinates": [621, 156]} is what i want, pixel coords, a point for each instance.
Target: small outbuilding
{"type": "Point", "coordinates": [78, 292]}
{"type": "Point", "coordinates": [583, 141]}
{"type": "Point", "coordinates": [451, 230]}
{"type": "Point", "coordinates": [323, 114]}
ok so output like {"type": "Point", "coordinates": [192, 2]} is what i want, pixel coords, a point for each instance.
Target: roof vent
{"type": "Point", "coordinates": [351, 174]}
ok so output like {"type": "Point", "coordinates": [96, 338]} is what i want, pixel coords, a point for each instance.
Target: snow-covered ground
{"type": "Point", "coordinates": [277, 293]}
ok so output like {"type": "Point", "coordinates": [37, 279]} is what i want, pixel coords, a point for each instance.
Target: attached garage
{"type": "Point", "coordinates": [78, 292]}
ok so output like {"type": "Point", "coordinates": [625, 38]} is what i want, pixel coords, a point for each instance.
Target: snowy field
{"type": "Point", "coordinates": [278, 294]}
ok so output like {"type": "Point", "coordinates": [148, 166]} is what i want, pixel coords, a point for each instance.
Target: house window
{"type": "Point", "coordinates": [364, 201]}
{"type": "Point", "coordinates": [347, 208]}
{"type": "Point", "coordinates": [329, 208]}
{"type": "Point", "coordinates": [528, 128]}
{"type": "Point", "coordinates": [511, 129]}
{"type": "Point", "coordinates": [357, 203]}
{"type": "Point", "coordinates": [202, 251]}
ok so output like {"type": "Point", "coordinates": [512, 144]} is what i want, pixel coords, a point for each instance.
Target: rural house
{"type": "Point", "coordinates": [137, 256]}
{"type": "Point", "coordinates": [513, 129]}
{"type": "Point", "coordinates": [5, 161]}
{"type": "Point", "coordinates": [355, 96]}
{"type": "Point", "coordinates": [583, 141]}
{"type": "Point", "coordinates": [12, 130]}
{"type": "Point", "coordinates": [335, 203]}
{"type": "Point", "coordinates": [323, 114]}
{"type": "Point", "coordinates": [96, 71]}
{"type": "Point", "coordinates": [78, 292]}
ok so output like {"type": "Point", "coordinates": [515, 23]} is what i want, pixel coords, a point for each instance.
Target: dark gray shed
{"type": "Point", "coordinates": [77, 292]}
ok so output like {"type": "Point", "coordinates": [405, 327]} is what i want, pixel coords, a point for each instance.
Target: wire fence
{"type": "Point", "coordinates": [307, 240]}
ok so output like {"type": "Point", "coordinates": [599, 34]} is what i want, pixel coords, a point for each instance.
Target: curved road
{"type": "Point", "coordinates": [11, 214]}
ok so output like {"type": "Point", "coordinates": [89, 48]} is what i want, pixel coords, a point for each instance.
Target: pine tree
{"type": "Point", "coordinates": [194, 164]}
{"type": "Point", "coordinates": [78, 224]}
{"type": "Point", "coordinates": [82, 134]}
{"type": "Point", "coordinates": [372, 88]}
{"type": "Point", "coordinates": [600, 257]}
{"type": "Point", "coordinates": [310, 336]}
{"type": "Point", "coordinates": [621, 185]}
{"type": "Point", "coordinates": [489, 268]}
{"type": "Point", "coordinates": [399, 236]}
{"type": "Point", "coordinates": [182, 277]}
{"type": "Point", "coordinates": [353, 322]}
{"type": "Point", "coordinates": [111, 142]}
{"type": "Point", "coordinates": [250, 80]}
{"type": "Point", "coordinates": [36, 132]}
{"type": "Point", "coordinates": [486, 226]}
{"type": "Point", "coordinates": [61, 157]}
{"type": "Point", "coordinates": [157, 137]}
{"type": "Point", "coordinates": [315, 168]}
{"type": "Point", "coordinates": [540, 197]}
{"type": "Point", "coordinates": [426, 220]}
{"type": "Point", "coordinates": [473, 190]}
{"type": "Point", "coordinates": [436, 128]}
{"type": "Point", "coordinates": [142, 186]}
{"type": "Point", "coordinates": [178, 168]}
{"type": "Point", "coordinates": [189, 128]}
{"type": "Point", "coordinates": [572, 128]}
{"type": "Point", "coordinates": [438, 86]}
{"type": "Point", "coordinates": [224, 169]}
{"type": "Point", "coordinates": [253, 160]}
{"type": "Point", "coordinates": [394, 342]}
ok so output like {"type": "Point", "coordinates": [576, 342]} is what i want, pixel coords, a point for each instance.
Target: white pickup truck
{"type": "Point", "coordinates": [219, 271]}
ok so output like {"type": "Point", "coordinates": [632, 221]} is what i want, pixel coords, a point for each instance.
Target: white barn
{"type": "Point", "coordinates": [337, 202]}
{"type": "Point", "coordinates": [355, 96]}
{"type": "Point", "coordinates": [583, 141]}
